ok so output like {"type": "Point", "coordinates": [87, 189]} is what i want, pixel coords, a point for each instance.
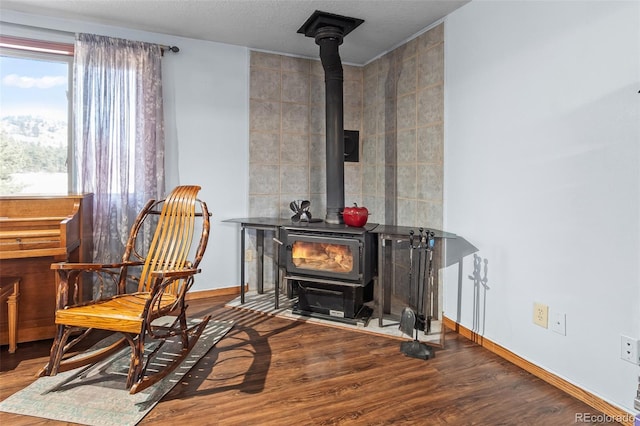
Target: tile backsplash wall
{"type": "Point", "coordinates": [287, 134]}
{"type": "Point", "coordinates": [403, 132]}
{"type": "Point", "coordinates": [397, 104]}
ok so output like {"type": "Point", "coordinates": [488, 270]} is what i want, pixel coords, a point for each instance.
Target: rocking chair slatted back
{"type": "Point", "coordinates": [172, 239]}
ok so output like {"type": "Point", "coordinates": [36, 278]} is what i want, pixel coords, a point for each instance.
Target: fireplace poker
{"type": "Point", "coordinates": [411, 248]}
{"type": "Point", "coordinates": [420, 317]}
{"type": "Point", "coordinates": [429, 284]}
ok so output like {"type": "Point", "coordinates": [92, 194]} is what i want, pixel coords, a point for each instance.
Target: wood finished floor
{"type": "Point", "coordinates": [272, 371]}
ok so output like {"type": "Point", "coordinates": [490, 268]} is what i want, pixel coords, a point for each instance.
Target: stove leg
{"type": "Point", "coordinates": [242, 283]}
{"type": "Point", "coordinates": [276, 265]}
{"type": "Point", "coordinates": [380, 279]}
{"type": "Point", "coordinates": [260, 260]}
{"type": "Point", "coordinates": [277, 290]}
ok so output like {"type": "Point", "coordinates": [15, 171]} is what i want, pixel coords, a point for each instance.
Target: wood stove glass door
{"type": "Point", "coordinates": [325, 257]}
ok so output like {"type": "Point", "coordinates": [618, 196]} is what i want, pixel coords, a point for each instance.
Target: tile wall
{"type": "Point", "coordinates": [397, 104]}
{"type": "Point", "coordinates": [403, 133]}
{"type": "Point", "coordinates": [287, 134]}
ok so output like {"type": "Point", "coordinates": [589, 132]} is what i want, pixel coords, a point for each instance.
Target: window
{"type": "Point", "coordinates": [35, 105]}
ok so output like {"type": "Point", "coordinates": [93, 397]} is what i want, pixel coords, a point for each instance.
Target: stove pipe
{"type": "Point", "coordinates": [328, 30]}
{"type": "Point", "coordinates": [329, 38]}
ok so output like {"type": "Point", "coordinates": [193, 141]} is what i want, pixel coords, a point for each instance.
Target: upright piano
{"type": "Point", "coordinates": [36, 231]}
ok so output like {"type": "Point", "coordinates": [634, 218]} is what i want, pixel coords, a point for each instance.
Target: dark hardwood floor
{"type": "Point", "coordinates": [272, 371]}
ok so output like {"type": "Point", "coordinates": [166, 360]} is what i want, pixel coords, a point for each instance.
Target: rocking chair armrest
{"type": "Point", "coordinates": [164, 279]}
{"type": "Point", "coordinates": [91, 266]}
{"type": "Point", "coordinates": [68, 279]}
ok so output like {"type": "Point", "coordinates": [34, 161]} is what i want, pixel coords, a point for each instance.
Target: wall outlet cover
{"type": "Point", "coordinates": [629, 349]}
{"type": "Point", "coordinates": [541, 315]}
{"type": "Point", "coordinates": [559, 323]}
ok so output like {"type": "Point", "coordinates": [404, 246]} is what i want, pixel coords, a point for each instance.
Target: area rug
{"type": "Point", "coordinates": [264, 304]}
{"type": "Point", "coordinates": [96, 395]}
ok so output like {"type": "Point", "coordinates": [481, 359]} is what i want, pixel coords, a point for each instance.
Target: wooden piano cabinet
{"type": "Point", "coordinates": [36, 231]}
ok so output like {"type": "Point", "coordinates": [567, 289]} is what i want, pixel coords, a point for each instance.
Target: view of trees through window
{"type": "Point", "coordinates": [34, 112]}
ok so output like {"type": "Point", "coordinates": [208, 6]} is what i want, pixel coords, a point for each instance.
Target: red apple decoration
{"type": "Point", "coordinates": [355, 216]}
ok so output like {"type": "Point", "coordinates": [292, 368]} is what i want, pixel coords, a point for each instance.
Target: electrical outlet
{"type": "Point", "coordinates": [541, 315]}
{"type": "Point", "coordinates": [629, 349]}
{"type": "Point", "coordinates": [559, 323]}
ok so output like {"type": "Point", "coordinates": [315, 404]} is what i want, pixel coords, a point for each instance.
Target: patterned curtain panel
{"type": "Point", "coordinates": [118, 134]}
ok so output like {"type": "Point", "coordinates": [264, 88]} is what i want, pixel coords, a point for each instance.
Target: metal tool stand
{"type": "Point", "coordinates": [388, 235]}
{"type": "Point", "coordinates": [420, 279]}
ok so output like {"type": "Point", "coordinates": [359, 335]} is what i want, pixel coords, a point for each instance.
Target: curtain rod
{"type": "Point", "coordinates": [174, 49]}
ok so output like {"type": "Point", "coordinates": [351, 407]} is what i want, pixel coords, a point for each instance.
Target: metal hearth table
{"type": "Point", "coordinates": [260, 224]}
{"type": "Point", "coordinates": [388, 234]}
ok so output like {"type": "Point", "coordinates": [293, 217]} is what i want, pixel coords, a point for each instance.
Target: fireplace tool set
{"type": "Point", "coordinates": [420, 294]}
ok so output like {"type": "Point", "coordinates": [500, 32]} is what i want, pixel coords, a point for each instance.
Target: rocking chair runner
{"type": "Point", "coordinates": [166, 276]}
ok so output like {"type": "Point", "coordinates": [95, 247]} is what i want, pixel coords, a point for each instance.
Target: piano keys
{"type": "Point", "coordinates": [36, 231]}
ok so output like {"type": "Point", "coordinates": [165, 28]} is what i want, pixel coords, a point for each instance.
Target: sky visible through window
{"type": "Point", "coordinates": [34, 109]}
{"type": "Point", "coordinates": [33, 87]}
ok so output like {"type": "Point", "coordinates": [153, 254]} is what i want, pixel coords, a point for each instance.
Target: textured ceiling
{"type": "Point", "coordinates": [259, 24]}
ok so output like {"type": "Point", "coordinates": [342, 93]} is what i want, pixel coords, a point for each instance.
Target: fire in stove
{"type": "Point", "coordinates": [322, 256]}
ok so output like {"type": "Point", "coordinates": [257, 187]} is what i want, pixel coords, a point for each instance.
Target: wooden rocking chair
{"type": "Point", "coordinates": [165, 276]}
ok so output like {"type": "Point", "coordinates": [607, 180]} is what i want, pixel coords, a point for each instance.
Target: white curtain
{"type": "Point", "coordinates": [118, 134]}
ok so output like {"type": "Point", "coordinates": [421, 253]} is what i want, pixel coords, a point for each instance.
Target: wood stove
{"type": "Point", "coordinates": [329, 264]}
{"type": "Point", "coordinates": [331, 268]}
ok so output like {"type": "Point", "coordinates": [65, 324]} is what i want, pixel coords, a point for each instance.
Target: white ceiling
{"type": "Point", "coordinates": [258, 24]}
